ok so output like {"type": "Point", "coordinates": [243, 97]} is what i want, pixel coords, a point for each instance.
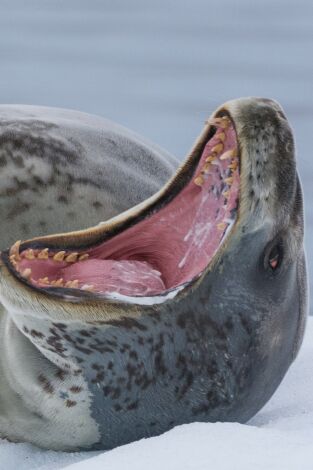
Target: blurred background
{"type": "Point", "coordinates": [160, 67]}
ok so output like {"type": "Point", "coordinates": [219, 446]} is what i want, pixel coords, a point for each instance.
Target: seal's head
{"type": "Point", "coordinates": [218, 251]}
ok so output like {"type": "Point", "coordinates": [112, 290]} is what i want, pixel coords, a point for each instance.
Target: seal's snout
{"type": "Point", "coordinates": [268, 169]}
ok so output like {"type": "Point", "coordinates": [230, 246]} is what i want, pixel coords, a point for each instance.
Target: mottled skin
{"type": "Point", "coordinates": [92, 373]}
{"type": "Point", "coordinates": [63, 170]}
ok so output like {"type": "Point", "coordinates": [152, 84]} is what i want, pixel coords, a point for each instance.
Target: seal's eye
{"type": "Point", "coordinates": [275, 256]}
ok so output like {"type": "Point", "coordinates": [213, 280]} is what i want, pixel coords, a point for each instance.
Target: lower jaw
{"type": "Point", "coordinates": [167, 249]}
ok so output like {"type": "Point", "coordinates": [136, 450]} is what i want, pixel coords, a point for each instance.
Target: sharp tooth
{"type": "Point", "coordinates": [89, 287]}
{"type": "Point", "coordinates": [221, 226]}
{"type": "Point", "coordinates": [229, 154]}
{"type": "Point", "coordinates": [233, 165]}
{"type": "Point", "coordinates": [229, 180]}
{"type": "Point", "coordinates": [223, 122]}
{"type": "Point", "coordinates": [221, 136]}
{"type": "Point", "coordinates": [13, 260]}
{"type": "Point", "coordinates": [58, 282]}
{"type": "Point", "coordinates": [210, 158]}
{"type": "Point", "coordinates": [72, 284]}
{"type": "Point", "coordinates": [199, 181]}
{"type": "Point", "coordinates": [71, 258]}
{"type": "Point", "coordinates": [15, 250]}
{"type": "Point", "coordinates": [44, 280]}
{"type": "Point", "coordinates": [59, 256]}
{"type": "Point", "coordinates": [83, 257]}
{"type": "Point", "coordinates": [226, 194]}
{"type": "Point", "coordinates": [29, 254]}
{"type": "Point", "coordinates": [206, 168]}
{"type": "Point", "coordinates": [44, 254]}
{"type": "Point", "coordinates": [26, 273]}
{"type": "Point", "coordinates": [218, 148]}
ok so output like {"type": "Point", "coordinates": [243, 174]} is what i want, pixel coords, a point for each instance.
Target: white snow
{"type": "Point", "coordinates": [279, 437]}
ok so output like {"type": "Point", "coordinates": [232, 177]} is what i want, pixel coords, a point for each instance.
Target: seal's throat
{"type": "Point", "coordinates": [168, 248]}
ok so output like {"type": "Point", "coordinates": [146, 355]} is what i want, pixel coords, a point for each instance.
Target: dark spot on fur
{"type": "Point", "coordinates": [84, 333]}
{"type": "Point", "coordinates": [60, 374]}
{"type": "Point", "coordinates": [127, 323]}
{"type": "Point", "coordinates": [99, 377]}
{"type": "Point", "coordinates": [76, 389]}
{"type": "Point", "coordinates": [133, 406]}
{"type": "Point", "coordinates": [63, 199]}
{"type": "Point", "coordinates": [36, 334]}
{"type": "Point", "coordinates": [46, 385]}
{"type": "Point", "coordinates": [83, 350]}
{"type": "Point", "coordinates": [70, 403]}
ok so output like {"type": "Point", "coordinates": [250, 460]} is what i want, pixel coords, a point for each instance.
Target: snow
{"type": "Point", "coordinates": [279, 437]}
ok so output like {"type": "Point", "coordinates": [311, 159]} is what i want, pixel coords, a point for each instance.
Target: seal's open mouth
{"type": "Point", "coordinates": [158, 247]}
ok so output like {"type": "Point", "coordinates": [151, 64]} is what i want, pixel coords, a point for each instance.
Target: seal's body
{"type": "Point", "coordinates": [188, 307]}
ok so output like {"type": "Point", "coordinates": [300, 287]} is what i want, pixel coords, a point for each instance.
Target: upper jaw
{"type": "Point", "coordinates": [239, 113]}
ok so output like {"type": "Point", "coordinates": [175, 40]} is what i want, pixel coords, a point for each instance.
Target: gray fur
{"type": "Point", "coordinates": [64, 170]}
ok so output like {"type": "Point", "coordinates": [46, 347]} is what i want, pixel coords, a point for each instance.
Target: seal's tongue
{"type": "Point", "coordinates": [126, 277]}
{"type": "Point", "coordinates": [162, 251]}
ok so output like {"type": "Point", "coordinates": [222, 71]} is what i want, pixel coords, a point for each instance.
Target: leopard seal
{"type": "Point", "coordinates": [189, 306]}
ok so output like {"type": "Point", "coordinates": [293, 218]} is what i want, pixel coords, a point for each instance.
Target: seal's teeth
{"type": "Point", "coordinates": [229, 180]}
{"type": "Point", "coordinates": [226, 194]}
{"type": "Point", "coordinates": [83, 257]}
{"type": "Point", "coordinates": [71, 258]}
{"type": "Point", "coordinates": [223, 122]}
{"type": "Point", "coordinates": [57, 282]}
{"type": "Point", "coordinates": [199, 181]}
{"type": "Point", "coordinates": [44, 280]}
{"type": "Point", "coordinates": [72, 284]}
{"type": "Point", "coordinates": [218, 148]}
{"type": "Point", "coordinates": [233, 165]}
{"type": "Point", "coordinates": [44, 254]}
{"type": "Point", "coordinates": [13, 260]}
{"type": "Point", "coordinates": [89, 287]}
{"type": "Point", "coordinates": [27, 273]}
{"type": "Point", "coordinates": [222, 136]}
{"type": "Point", "coordinates": [59, 256]}
{"type": "Point", "coordinates": [210, 159]}
{"type": "Point", "coordinates": [229, 154]}
{"type": "Point", "coordinates": [15, 250]}
{"type": "Point", "coordinates": [221, 226]}
{"type": "Point", "coordinates": [29, 254]}
{"type": "Point", "coordinates": [206, 168]}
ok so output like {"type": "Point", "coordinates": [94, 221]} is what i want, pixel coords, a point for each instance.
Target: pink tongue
{"type": "Point", "coordinates": [125, 277]}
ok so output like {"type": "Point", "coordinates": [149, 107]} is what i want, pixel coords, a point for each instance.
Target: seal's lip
{"type": "Point", "coordinates": [84, 239]}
